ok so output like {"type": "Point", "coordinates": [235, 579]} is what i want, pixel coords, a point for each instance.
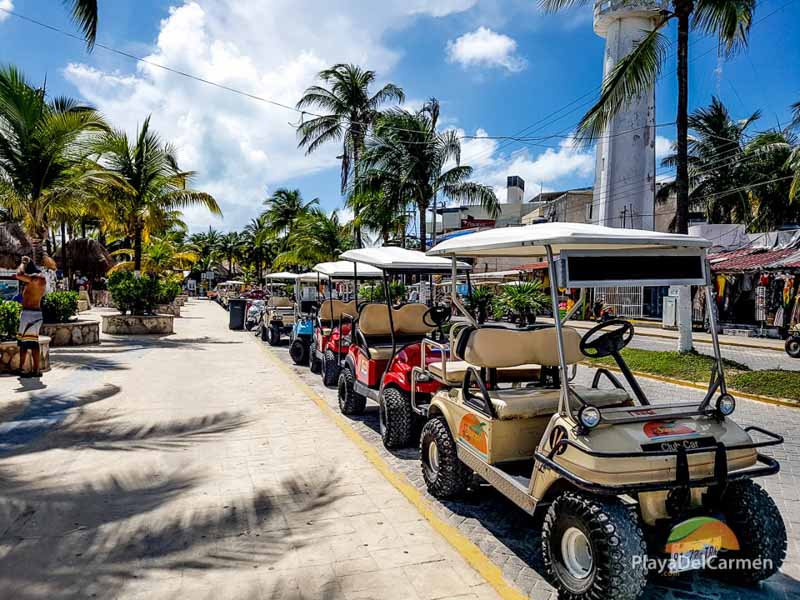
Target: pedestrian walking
{"type": "Point", "coordinates": [30, 321]}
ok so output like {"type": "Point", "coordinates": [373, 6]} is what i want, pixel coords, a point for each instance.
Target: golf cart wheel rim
{"type": "Point", "coordinates": [576, 552]}
{"type": "Point", "coordinates": [433, 457]}
{"type": "Point", "coordinates": [794, 346]}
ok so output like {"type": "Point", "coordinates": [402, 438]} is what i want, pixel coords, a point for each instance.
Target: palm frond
{"type": "Point", "coordinates": [728, 20]}
{"type": "Point", "coordinates": [84, 13]}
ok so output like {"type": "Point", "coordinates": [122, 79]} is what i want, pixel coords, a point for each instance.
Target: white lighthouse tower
{"type": "Point", "coordinates": [625, 184]}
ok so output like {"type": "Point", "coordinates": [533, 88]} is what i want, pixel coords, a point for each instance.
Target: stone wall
{"type": "Point", "coordinates": [9, 355]}
{"type": "Point", "coordinates": [74, 333]}
{"type": "Point", "coordinates": [173, 309]}
{"type": "Point", "coordinates": [137, 324]}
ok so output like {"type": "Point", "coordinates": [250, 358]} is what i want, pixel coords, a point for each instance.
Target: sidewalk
{"type": "Point", "coordinates": [654, 330]}
{"type": "Point", "coordinates": [190, 466]}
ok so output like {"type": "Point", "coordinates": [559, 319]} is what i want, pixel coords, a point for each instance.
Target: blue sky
{"type": "Point", "coordinates": [497, 66]}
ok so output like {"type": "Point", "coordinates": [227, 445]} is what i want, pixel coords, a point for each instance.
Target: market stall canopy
{"type": "Point", "coordinates": [531, 240]}
{"type": "Point", "coordinates": [344, 269]}
{"type": "Point", "coordinates": [401, 260]}
{"type": "Point", "coordinates": [88, 256]}
{"type": "Point", "coordinates": [283, 275]}
{"type": "Point", "coordinates": [14, 244]}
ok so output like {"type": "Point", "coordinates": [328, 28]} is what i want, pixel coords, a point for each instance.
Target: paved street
{"type": "Point", "coordinates": [196, 466]}
{"type": "Point", "coordinates": [192, 466]}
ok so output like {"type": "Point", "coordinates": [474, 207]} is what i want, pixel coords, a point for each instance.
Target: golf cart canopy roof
{"type": "Point", "coordinates": [283, 275]}
{"type": "Point", "coordinates": [399, 260]}
{"type": "Point", "coordinates": [344, 269]}
{"type": "Point", "coordinates": [308, 277]}
{"type": "Point", "coordinates": [531, 240]}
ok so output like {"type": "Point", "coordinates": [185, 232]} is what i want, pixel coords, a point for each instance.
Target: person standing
{"type": "Point", "coordinates": [30, 321]}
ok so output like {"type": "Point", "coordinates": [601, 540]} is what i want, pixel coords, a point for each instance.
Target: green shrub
{"type": "Point", "coordinates": [168, 291]}
{"type": "Point", "coordinates": [137, 295]}
{"type": "Point", "coordinates": [59, 307]}
{"type": "Point", "coordinates": [9, 319]}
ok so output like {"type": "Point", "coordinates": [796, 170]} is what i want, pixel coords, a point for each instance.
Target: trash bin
{"type": "Point", "coordinates": [236, 308]}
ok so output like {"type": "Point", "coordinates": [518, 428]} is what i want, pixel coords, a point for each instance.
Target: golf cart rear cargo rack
{"type": "Point", "coordinates": [682, 480]}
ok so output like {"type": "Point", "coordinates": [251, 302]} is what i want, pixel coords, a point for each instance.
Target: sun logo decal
{"type": "Point", "coordinates": [472, 431]}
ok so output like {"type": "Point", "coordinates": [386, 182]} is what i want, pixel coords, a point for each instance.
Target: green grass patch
{"type": "Point", "coordinates": [775, 383]}
{"type": "Point", "coordinates": [690, 366]}
{"type": "Point", "coordinates": [696, 368]}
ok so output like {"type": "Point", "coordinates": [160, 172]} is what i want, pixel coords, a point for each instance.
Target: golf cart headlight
{"type": "Point", "coordinates": [589, 416]}
{"type": "Point", "coordinates": [726, 404]}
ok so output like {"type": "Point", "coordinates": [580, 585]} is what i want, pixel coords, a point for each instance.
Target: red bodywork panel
{"type": "Point", "coordinates": [335, 342]}
{"type": "Point", "coordinates": [369, 372]}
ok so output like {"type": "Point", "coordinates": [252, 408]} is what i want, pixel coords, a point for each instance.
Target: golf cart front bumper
{"type": "Point", "coordinates": [764, 466]}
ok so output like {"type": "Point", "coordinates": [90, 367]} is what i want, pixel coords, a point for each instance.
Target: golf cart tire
{"type": "Point", "coordinates": [350, 402]}
{"type": "Point", "coordinates": [397, 418]}
{"type": "Point", "coordinates": [793, 347]}
{"type": "Point", "coordinates": [615, 538]}
{"type": "Point", "coordinates": [452, 476]}
{"type": "Point", "coordinates": [298, 351]}
{"type": "Point", "coordinates": [316, 364]}
{"type": "Point", "coordinates": [273, 336]}
{"type": "Point", "coordinates": [264, 334]}
{"type": "Point", "coordinates": [752, 515]}
{"type": "Point", "coordinates": [330, 369]}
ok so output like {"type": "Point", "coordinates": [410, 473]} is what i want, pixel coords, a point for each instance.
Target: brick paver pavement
{"type": "Point", "coordinates": [509, 538]}
{"type": "Point", "coordinates": [191, 466]}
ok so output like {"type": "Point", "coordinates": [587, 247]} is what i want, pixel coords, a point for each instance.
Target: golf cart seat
{"type": "Point", "coordinates": [506, 348]}
{"type": "Point", "coordinates": [331, 311]}
{"type": "Point", "coordinates": [280, 302]}
{"type": "Point", "coordinates": [375, 327]}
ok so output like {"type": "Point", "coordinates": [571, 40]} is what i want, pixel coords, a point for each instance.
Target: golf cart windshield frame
{"type": "Point", "coordinates": [558, 270]}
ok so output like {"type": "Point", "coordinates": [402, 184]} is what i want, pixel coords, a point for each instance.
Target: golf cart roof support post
{"type": "Point", "coordinates": [563, 403]}
{"type": "Point", "coordinates": [575, 307]}
{"type": "Point", "coordinates": [388, 295]}
{"type": "Point", "coordinates": [355, 284]}
{"type": "Point", "coordinates": [454, 299]}
{"type": "Point", "coordinates": [712, 322]}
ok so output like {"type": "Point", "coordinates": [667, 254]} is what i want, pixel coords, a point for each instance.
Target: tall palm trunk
{"type": "Point", "coordinates": [356, 160]}
{"type": "Point", "coordinates": [137, 247]}
{"type": "Point", "coordinates": [65, 266]}
{"type": "Point", "coordinates": [683, 10]}
{"type": "Point", "coordinates": [423, 227]}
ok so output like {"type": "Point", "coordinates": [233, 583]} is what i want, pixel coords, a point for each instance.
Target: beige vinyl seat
{"type": "Point", "coordinates": [373, 322]}
{"type": "Point", "coordinates": [280, 302]}
{"type": "Point", "coordinates": [331, 311]}
{"type": "Point", "coordinates": [507, 348]}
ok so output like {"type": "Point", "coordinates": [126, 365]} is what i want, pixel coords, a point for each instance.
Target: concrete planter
{"type": "Point", "coordinates": [173, 309]}
{"type": "Point", "coordinates": [181, 300]}
{"type": "Point", "coordinates": [9, 355]}
{"type": "Point", "coordinates": [138, 324]}
{"type": "Point", "coordinates": [74, 333]}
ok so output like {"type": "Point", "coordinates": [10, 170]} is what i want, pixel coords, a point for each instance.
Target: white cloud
{"type": "Point", "coordinates": [5, 5]}
{"type": "Point", "coordinates": [663, 147]}
{"type": "Point", "coordinates": [485, 48]}
{"type": "Point", "coordinates": [555, 167]}
{"type": "Point", "coordinates": [239, 146]}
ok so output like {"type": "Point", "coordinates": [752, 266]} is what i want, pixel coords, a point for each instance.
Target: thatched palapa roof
{"type": "Point", "coordinates": [87, 256]}
{"type": "Point", "coordinates": [14, 244]}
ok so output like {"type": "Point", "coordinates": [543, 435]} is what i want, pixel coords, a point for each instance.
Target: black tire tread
{"type": "Point", "coordinates": [616, 537]}
{"type": "Point", "coordinates": [399, 418]}
{"type": "Point", "coordinates": [453, 476]}
{"type": "Point", "coordinates": [330, 371]}
{"type": "Point", "coordinates": [350, 403]}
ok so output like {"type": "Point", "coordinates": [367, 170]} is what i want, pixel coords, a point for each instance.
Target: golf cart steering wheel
{"type": "Point", "coordinates": [436, 316]}
{"type": "Point", "coordinates": [608, 343]}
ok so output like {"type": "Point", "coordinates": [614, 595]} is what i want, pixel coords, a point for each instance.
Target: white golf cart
{"type": "Point", "coordinates": [630, 482]}
{"type": "Point", "coordinates": [279, 313]}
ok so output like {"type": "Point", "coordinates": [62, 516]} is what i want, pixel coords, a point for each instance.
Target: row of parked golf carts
{"type": "Point", "coordinates": [628, 483]}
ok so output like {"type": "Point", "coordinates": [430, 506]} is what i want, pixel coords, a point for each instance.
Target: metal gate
{"type": "Point", "coordinates": [625, 301]}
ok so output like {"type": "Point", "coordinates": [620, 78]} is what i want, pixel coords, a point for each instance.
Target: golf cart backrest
{"type": "Point", "coordinates": [333, 310]}
{"type": "Point", "coordinates": [494, 348]}
{"type": "Point", "coordinates": [373, 321]}
{"type": "Point", "coordinates": [280, 302]}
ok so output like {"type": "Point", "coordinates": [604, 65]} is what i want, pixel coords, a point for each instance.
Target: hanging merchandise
{"type": "Point", "coordinates": [778, 322]}
{"type": "Point", "coordinates": [761, 304]}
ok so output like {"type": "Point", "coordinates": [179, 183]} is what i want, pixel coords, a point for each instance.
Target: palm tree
{"type": "Point", "coordinates": [159, 257]}
{"type": "Point", "coordinates": [258, 239]}
{"type": "Point", "coordinates": [350, 111]}
{"type": "Point", "coordinates": [409, 154]}
{"type": "Point", "coordinates": [84, 13]}
{"type": "Point", "coordinates": [717, 164]}
{"type": "Point", "coordinates": [316, 238]}
{"type": "Point", "coordinates": [283, 209]}
{"type": "Point", "coordinates": [229, 247]}
{"type": "Point", "coordinates": [727, 20]}
{"type": "Point", "coordinates": [157, 187]}
{"type": "Point", "coordinates": [773, 174]}
{"type": "Point", "coordinates": [42, 151]}
{"type": "Point", "coordinates": [381, 211]}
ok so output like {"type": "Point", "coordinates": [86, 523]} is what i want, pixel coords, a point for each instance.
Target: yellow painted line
{"type": "Point", "coordinates": [697, 386]}
{"type": "Point", "coordinates": [461, 544]}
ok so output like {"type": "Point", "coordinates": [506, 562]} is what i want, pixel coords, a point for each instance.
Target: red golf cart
{"type": "Point", "coordinates": [386, 344]}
